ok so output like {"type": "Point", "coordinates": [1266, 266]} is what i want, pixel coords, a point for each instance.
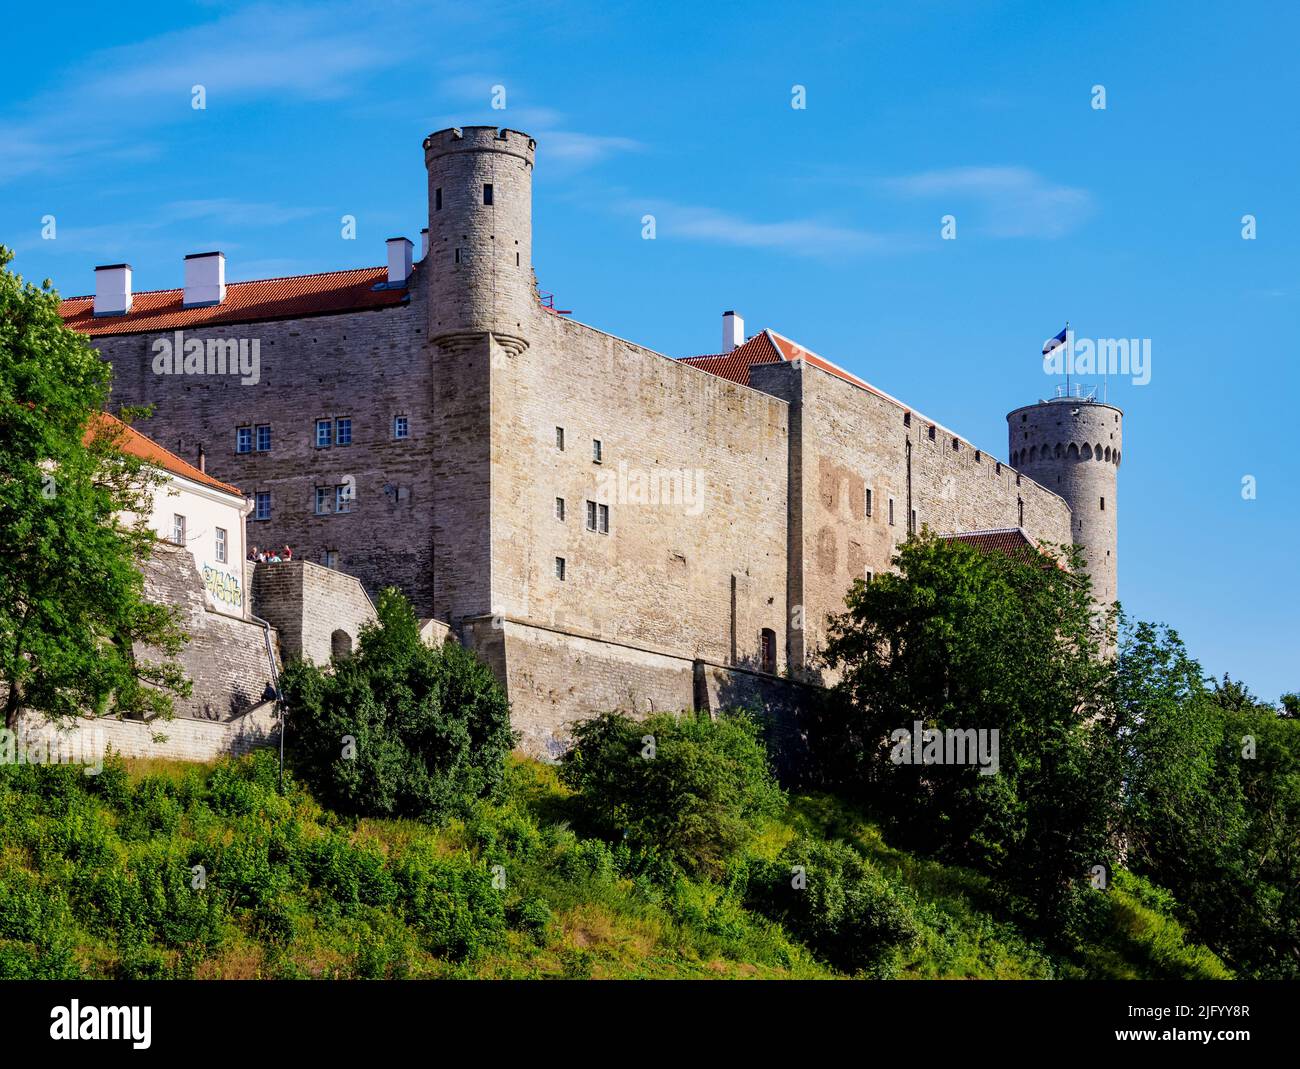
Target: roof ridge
{"type": "Point", "coordinates": [203, 476]}
{"type": "Point", "coordinates": [245, 282]}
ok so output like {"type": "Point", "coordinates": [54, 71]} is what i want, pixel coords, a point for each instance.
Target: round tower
{"type": "Point", "coordinates": [1072, 446]}
{"type": "Point", "coordinates": [479, 269]}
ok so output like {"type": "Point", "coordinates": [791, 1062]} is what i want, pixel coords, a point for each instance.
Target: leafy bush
{"type": "Point", "coordinates": [826, 894]}
{"type": "Point", "coordinates": [400, 729]}
{"type": "Point", "coordinates": [689, 787]}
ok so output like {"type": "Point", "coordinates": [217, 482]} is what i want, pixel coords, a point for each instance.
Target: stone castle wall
{"type": "Point", "coordinates": [316, 611]}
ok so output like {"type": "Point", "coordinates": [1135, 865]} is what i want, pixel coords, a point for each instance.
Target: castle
{"type": "Point", "coordinates": [608, 527]}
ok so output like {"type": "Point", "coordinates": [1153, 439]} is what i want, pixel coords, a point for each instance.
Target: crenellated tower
{"type": "Point", "coordinates": [479, 269]}
{"type": "Point", "coordinates": [1072, 446]}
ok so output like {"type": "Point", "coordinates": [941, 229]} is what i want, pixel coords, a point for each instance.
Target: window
{"type": "Point", "coordinates": [868, 502]}
{"type": "Point", "coordinates": [262, 506]}
{"type": "Point", "coordinates": [596, 450]}
{"type": "Point", "coordinates": [1020, 512]}
{"type": "Point", "coordinates": [322, 500]}
{"type": "Point", "coordinates": [343, 432]}
{"type": "Point", "coordinates": [330, 558]}
{"type": "Point", "coordinates": [437, 199]}
{"type": "Point", "coordinates": [931, 432]}
{"type": "Point", "coordinates": [401, 427]}
{"type": "Point", "coordinates": [178, 529]}
{"type": "Point", "coordinates": [1103, 504]}
{"type": "Point", "coordinates": [244, 440]}
{"type": "Point", "coordinates": [769, 650]}
{"type": "Point", "coordinates": [458, 255]}
{"type": "Point", "coordinates": [324, 432]}
{"type": "Point", "coordinates": [907, 419]}
{"type": "Point", "coordinates": [221, 545]}
{"type": "Point", "coordinates": [891, 512]}
{"type": "Point", "coordinates": [264, 438]}
{"type": "Point", "coordinates": [559, 439]}
{"type": "Point", "coordinates": [979, 457]}
{"type": "Point", "coordinates": [912, 528]}
{"type": "Point", "coordinates": [603, 519]}
{"type": "Point", "coordinates": [591, 515]}
{"type": "Point", "coordinates": [559, 569]}
{"type": "Point", "coordinates": [956, 445]}
{"type": "Point", "coordinates": [870, 575]}
{"type": "Point", "coordinates": [487, 192]}
{"type": "Point", "coordinates": [559, 509]}
{"type": "Point", "coordinates": [343, 498]}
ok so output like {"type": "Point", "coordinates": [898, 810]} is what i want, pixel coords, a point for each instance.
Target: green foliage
{"type": "Point", "coordinates": [72, 608]}
{"type": "Point", "coordinates": [428, 728]}
{"type": "Point", "coordinates": [688, 788]}
{"type": "Point", "coordinates": [965, 641]}
{"type": "Point", "coordinates": [1212, 802]}
{"type": "Point", "coordinates": [830, 897]}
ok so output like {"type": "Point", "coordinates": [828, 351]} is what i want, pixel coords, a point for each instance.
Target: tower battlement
{"type": "Point", "coordinates": [481, 139]}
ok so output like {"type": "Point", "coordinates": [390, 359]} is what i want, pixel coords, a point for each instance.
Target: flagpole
{"type": "Point", "coordinates": [1067, 358]}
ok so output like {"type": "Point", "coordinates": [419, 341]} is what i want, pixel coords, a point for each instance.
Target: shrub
{"type": "Point", "coordinates": [842, 907]}
{"type": "Point", "coordinates": [429, 728]}
{"type": "Point", "coordinates": [452, 903]}
{"type": "Point", "coordinates": [690, 787]}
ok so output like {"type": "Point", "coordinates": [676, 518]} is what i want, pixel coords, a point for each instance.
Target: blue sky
{"type": "Point", "coordinates": [822, 222]}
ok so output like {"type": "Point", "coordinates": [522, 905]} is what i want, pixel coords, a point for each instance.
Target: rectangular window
{"type": "Point", "coordinates": [559, 439]}
{"type": "Point", "coordinates": [401, 427]}
{"type": "Point", "coordinates": [264, 438]}
{"type": "Point", "coordinates": [330, 558]}
{"type": "Point", "coordinates": [343, 432]}
{"type": "Point", "coordinates": [458, 255]}
{"type": "Point", "coordinates": [870, 575]}
{"type": "Point", "coordinates": [931, 432]}
{"type": "Point", "coordinates": [262, 508]}
{"type": "Point", "coordinates": [912, 529]}
{"type": "Point", "coordinates": [322, 500]}
{"type": "Point", "coordinates": [596, 450]}
{"type": "Point", "coordinates": [603, 519]}
{"type": "Point", "coordinates": [868, 502]}
{"type": "Point", "coordinates": [487, 192]}
{"type": "Point", "coordinates": [178, 529]}
{"type": "Point", "coordinates": [591, 515]}
{"type": "Point", "coordinates": [343, 498]}
{"type": "Point", "coordinates": [221, 545]}
{"type": "Point", "coordinates": [244, 440]}
{"type": "Point", "coordinates": [1103, 504]}
{"type": "Point", "coordinates": [891, 512]}
{"type": "Point", "coordinates": [907, 419]}
{"type": "Point", "coordinates": [559, 509]}
{"type": "Point", "coordinates": [437, 199]}
{"type": "Point", "coordinates": [324, 433]}
{"type": "Point", "coordinates": [559, 569]}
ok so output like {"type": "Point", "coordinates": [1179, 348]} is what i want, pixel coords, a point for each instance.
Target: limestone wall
{"type": "Point", "coordinates": [311, 608]}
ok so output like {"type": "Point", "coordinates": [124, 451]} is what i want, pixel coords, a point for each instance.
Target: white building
{"type": "Point", "coordinates": [196, 511]}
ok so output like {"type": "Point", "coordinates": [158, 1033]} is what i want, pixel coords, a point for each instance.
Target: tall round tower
{"type": "Point", "coordinates": [1071, 446]}
{"type": "Point", "coordinates": [479, 269]}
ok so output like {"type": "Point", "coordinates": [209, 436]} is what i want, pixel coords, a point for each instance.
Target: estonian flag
{"type": "Point", "coordinates": [1054, 343]}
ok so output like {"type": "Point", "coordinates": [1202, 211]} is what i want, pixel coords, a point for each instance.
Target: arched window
{"type": "Point", "coordinates": [1087, 451]}
{"type": "Point", "coordinates": [1107, 454]}
{"type": "Point", "coordinates": [1073, 452]}
{"type": "Point", "coordinates": [1033, 453]}
{"type": "Point", "coordinates": [1096, 451]}
{"type": "Point", "coordinates": [340, 644]}
{"type": "Point", "coordinates": [1058, 451]}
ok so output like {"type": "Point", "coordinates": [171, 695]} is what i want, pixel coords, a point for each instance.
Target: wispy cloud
{"type": "Point", "coordinates": [1009, 202]}
{"type": "Point", "coordinates": [315, 53]}
{"type": "Point", "coordinates": [803, 237]}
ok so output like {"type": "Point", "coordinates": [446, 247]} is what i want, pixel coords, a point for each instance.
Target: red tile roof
{"type": "Point", "coordinates": [131, 441]}
{"type": "Point", "coordinates": [270, 298]}
{"type": "Point", "coordinates": [735, 365]}
{"type": "Point", "coordinates": [1001, 540]}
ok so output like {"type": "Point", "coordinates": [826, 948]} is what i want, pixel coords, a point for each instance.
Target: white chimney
{"type": "Point", "coordinates": [399, 261]}
{"type": "Point", "coordinates": [733, 331]}
{"type": "Point", "coordinates": [113, 290]}
{"type": "Point", "coordinates": [424, 243]}
{"type": "Point", "coordinates": [205, 279]}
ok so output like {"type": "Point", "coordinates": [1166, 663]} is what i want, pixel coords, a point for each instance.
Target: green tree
{"type": "Point", "coordinates": [74, 624]}
{"type": "Point", "coordinates": [400, 729]}
{"type": "Point", "coordinates": [687, 787]}
{"type": "Point", "coordinates": [963, 641]}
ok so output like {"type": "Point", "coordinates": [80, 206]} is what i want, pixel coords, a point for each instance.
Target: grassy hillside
{"type": "Point", "coordinates": [98, 875]}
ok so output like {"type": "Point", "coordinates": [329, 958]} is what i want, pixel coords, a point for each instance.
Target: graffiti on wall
{"type": "Point", "coordinates": [223, 587]}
